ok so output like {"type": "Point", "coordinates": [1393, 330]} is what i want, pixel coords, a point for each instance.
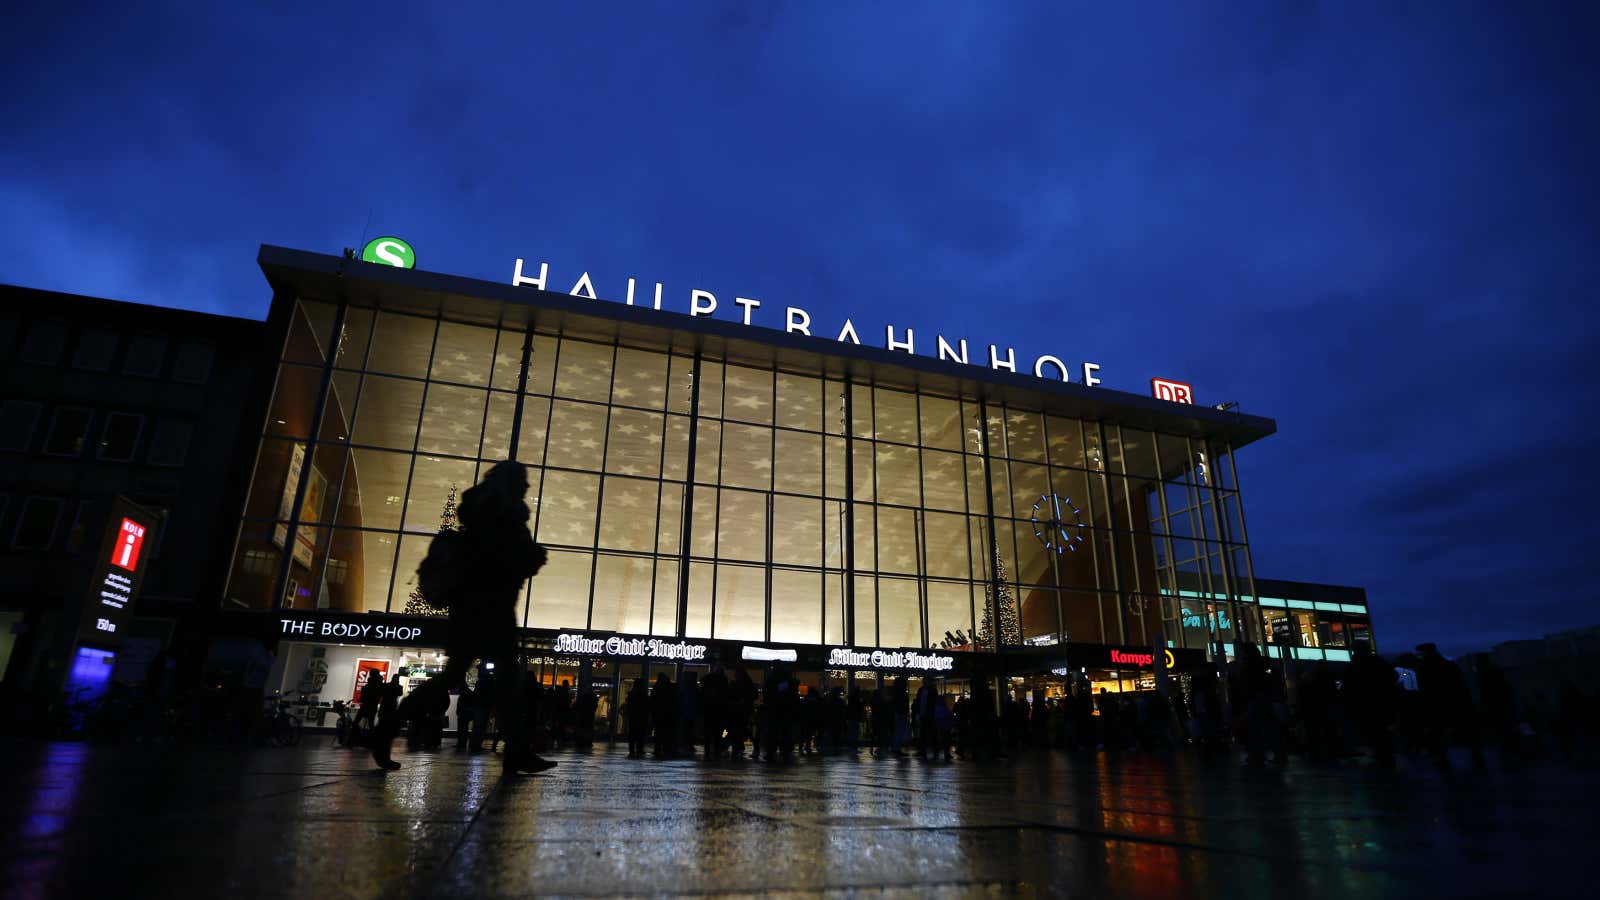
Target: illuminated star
{"type": "Point", "coordinates": [749, 401]}
{"type": "Point", "coordinates": [589, 444]}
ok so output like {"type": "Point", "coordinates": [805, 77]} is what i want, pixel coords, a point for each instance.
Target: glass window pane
{"type": "Point", "coordinates": [401, 345]}
{"type": "Point", "coordinates": [675, 461]}
{"type": "Point", "coordinates": [833, 534]}
{"type": "Point", "coordinates": [697, 621]}
{"type": "Point", "coordinates": [895, 416]}
{"type": "Point", "coordinates": [796, 606]}
{"type": "Point", "coordinates": [833, 467]}
{"type": "Point", "coordinates": [374, 489]}
{"type": "Point", "coordinates": [576, 432]}
{"type": "Point", "coordinates": [950, 614]}
{"type": "Point", "coordinates": [432, 480]}
{"type": "Point", "coordinates": [799, 403]}
{"type": "Point", "coordinates": [742, 529]}
{"type": "Point", "coordinates": [535, 423]}
{"type": "Point", "coordinates": [741, 603]}
{"type": "Point", "coordinates": [947, 544]}
{"type": "Point", "coordinates": [628, 514]}
{"type": "Point", "coordinates": [1065, 442]}
{"type": "Point", "coordinates": [310, 331]}
{"type": "Point", "coordinates": [897, 540]}
{"type": "Point", "coordinates": [255, 568]}
{"type": "Point", "coordinates": [542, 364]}
{"type": "Point", "coordinates": [899, 613]}
{"type": "Point", "coordinates": [664, 615]}
{"type": "Point", "coordinates": [863, 454]}
{"type": "Point", "coordinates": [356, 577]}
{"type": "Point", "coordinates": [797, 531]}
{"type": "Point", "coordinates": [944, 485]}
{"type": "Point", "coordinates": [338, 412]}
{"type": "Point", "coordinates": [798, 463]}
{"type": "Point", "coordinates": [861, 410]}
{"type": "Point", "coordinates": [746, 456]}
{"type": "Point", "coordinates": [707, 451]}
{"type": "Point", "coordinates": [634, 444]}
{"type": "Point", "coordinates": [567, 506]}
{"type": "Point", "coordinates": [585, 371]}
{"type": "Point", "coordinates": [388, 413]}
{"type": "Point", "coordinates": [452, 420]}
{"type": "Point", "coordinates": [670, 524]}
{"type": "Point", "coordinates": [866, 611]}
{"type": "Point", "coordinates": [641, 379]}
{"type": "Point", "coordinates": [833, 608]}
{"type": "Point", "coordinates": [294, 401]}
{"type": "Point", "coordinates": [463, 354]}
{"type": "Point", "coordinates": [703, 523]}
{"type": "Point", "coordinates": [1024, 435]}
{"type": "Point", "coordinates": [1028, 484]}
{"type": "Point", "coordinates": [866, 530]}
{"type": "Point", "coordinates": [748, 396]}
{"type": "Point", "coordinates": [679, 384]}
{"type": "Point", "coordinates": [941, 423]}
{"type": "Point", "coordinates": [622, 587]}
{"type": "Point", "coordinates": [507, 360]}
{"type": "Point", "coordinates": [413, 547]}
{"type": "Point", "coordinates": [1039, 614]}
{"type": "Point", "coordinates": [559, 597]}
{"type": "Point", "coordinates": [899, 480]}
{"type": "Point", "coordinates": [710, 389]}
{"type": "Point", "coordinates": [497, 425]}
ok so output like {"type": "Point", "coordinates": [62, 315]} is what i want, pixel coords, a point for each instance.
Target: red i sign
{"type": "Point", "coordinates": [130, 540]}
{"type": "Point", "coordinates": [1176, 391]}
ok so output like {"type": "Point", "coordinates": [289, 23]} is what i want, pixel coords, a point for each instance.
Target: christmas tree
{"type": "Point", "coordinates": [417, 604]}
{"type": "Point", "coordinates": [1010, 626]}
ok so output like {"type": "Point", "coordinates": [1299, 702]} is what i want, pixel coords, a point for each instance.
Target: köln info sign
{"type": "Point", "coordinates": [119, 569]}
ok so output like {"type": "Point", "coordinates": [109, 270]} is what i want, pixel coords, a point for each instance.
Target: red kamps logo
{"type": "Point", "coordinates": [1132, 659]}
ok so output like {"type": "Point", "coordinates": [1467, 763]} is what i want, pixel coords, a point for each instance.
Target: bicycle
{"type": "Point", "coordinates": [283, 727]}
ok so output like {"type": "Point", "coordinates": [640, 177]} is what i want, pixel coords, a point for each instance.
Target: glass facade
{"type": "Point", "coordinates": [683, 492]}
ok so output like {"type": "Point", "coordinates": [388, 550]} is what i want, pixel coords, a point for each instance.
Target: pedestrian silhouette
{"type": "Point", "coordinates": [477, 572]}
{"type": "Point", "coordinates": [664, 713]}
{"type": "Point", "coordinates": [636, 713]}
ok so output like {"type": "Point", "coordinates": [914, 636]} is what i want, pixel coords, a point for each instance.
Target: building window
{"type": "Point", "coordinates": [338, 569]}
{"type": "Point", "coordinates": [17, 421]}
{"type": "Point", "coordinates": [36, 527]}
{"type": "Point", "coordinates": [95, 350]}
{"type": "Point", "coordinates": [80, 524]}
{"type": "Point", "coordinates": [258, 562]}
{"type": "Point", "coordinates": [44, 343]}
{"type": "Point", "coordinates": [169, 446]}
{"type": "Point", "coordinates": [193, 363]}
{"type": "Point", "coordinates": [120, 436]}
{"type": "Point", "coordinates": [146, 353]}
{"type": "Point", "coordinates": [68, 431]}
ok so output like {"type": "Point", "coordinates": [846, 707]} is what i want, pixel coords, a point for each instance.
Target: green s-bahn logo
{"type": "Point", "coordinates": [389, 251]}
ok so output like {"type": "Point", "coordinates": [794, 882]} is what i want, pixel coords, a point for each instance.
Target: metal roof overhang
{"type": "Point", "coordinates": [321, 276]}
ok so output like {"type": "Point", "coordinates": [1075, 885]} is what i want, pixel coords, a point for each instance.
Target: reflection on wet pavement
{"type": "Point", "coordinates": [316, 821]}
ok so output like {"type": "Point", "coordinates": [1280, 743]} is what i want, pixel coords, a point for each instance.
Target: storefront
{"type": "Point", "coordinates": [706, 483]}
{"type": "Point", "coordinates": [324, 658]}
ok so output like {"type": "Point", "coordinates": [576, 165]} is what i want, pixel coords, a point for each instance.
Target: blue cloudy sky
{"type": "Point", "coordinates": [1373, 222]}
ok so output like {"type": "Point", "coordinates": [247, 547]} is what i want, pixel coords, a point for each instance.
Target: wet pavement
{"type": "Point", "coordinates": [316, 821]}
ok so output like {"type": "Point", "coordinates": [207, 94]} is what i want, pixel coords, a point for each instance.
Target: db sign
{"type": "Point", "coordinates": [1176, 391]}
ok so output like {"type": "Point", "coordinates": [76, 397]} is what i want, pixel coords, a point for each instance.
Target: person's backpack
{"type": "Point", "coordinates": [444, 570]}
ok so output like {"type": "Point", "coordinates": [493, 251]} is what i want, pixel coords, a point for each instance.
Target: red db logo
{"type": "Point", "coordinates": [1176, 391]}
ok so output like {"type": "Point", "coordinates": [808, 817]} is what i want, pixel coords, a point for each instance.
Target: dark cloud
{"type": "Point", "coordinates": [1373, 222]}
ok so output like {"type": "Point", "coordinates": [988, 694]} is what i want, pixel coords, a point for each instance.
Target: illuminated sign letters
{"type": "Point", "coordinates": [114, 582]}
{"type": "Point", "coordinates": [389, 251]}
{"type": "Point", "coordinates": [346, 628]}
{"type": "Point", "coordinates": [798, 321]}
{"type": "Point", "coordinates": [654, 648]}
{"type": "Point", "coordinates": [890, 659]}
{"type": "Point", "coordinates": [1176, 391]}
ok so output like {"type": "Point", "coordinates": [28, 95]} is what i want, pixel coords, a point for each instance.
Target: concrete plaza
{"type": "Point", "coordinates": [315, 821]}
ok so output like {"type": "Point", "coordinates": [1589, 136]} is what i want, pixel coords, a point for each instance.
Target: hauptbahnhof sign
{"type": "Point", "coordinates": [798, 321]}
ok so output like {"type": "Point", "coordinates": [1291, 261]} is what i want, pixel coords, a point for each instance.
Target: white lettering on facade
{"type": "Point", "coordinates": [948, 352]}
{"type": "Point", "coordinates": [702, 303]}
{"type": "Point", "coordinates": [518, 279]}
{"type": "Point", "coordinates": [907, 345]}
{"type": "Point", "coordinates": [621, 646]}
{"type": "Point", "coordinates": [891, 659]}
{"type": "Point", "coordinates": [798, 321]}
{"type": "Point", "coordinates": [1038, 366]}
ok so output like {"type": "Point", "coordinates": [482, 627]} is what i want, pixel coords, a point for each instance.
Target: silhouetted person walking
{"type": "Point", "coordinates": [636, 712]}
{"type": "Point", "coordinates": [1446, 705]}
{"type": "Point", "coordinates": [1370, 686]}
{"type": "Point", "coordinates": [478, 573]}
{"type": "Point", "coordinates": [741, 706]}
{"type": "Point", "coordinates": [664, 714]}
{"type": "Point", "coordinates": [714, 710]}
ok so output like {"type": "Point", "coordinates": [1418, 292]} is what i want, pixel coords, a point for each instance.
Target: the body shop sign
{"type": "Point", "coordinates": [356, 628]}
{"type": "Point", "coordinates": [119, 570]}
{"type": "Point", "coordinates": [909, 660]}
